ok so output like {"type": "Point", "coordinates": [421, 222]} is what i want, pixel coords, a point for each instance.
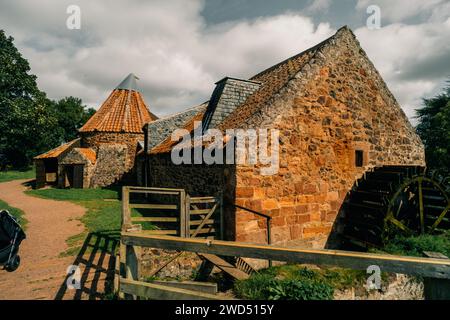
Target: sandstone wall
{"type": "Point", "coordinates": [337, 104]}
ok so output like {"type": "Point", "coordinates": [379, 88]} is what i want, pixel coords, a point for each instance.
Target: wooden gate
{"type": "Point", "coordinates": [168, 211]}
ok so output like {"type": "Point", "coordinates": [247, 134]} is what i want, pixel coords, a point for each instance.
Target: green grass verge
{"type": "Point", "coordinates": [17, 175]}
{"type": "Point", "coordinates": [15, 212]}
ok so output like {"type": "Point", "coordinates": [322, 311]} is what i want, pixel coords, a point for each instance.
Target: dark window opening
{"type": "Point", "coordinates": [359, 158]}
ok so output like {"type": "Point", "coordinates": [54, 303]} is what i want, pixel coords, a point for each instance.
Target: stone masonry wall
{"type": "Point", "coordinates": [71, 158]}
{"type": "Point", "coordinates": [110, 164]}
{"type": "Point", "coordinates": [95, 139]}
{"type": "Point", "coordinates": [337, 104]}
{"type": "Point", "coordinates": [197, 180]}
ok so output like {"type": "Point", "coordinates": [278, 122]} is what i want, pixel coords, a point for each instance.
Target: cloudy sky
{"type": "Point", "coordinates": [180, 48]}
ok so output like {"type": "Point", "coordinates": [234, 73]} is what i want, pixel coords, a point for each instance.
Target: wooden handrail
{"type": "Point", "coordinates": [426, 267]}
{"type": "Point", "coordinates": [267, 217]}
{"type": "Point", "coordinates": [268, 220]}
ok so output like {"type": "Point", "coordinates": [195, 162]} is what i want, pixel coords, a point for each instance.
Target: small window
{"type": "Point", "coordinates": [359, 158]}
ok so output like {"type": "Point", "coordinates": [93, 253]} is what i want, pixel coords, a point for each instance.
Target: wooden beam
{"type": "Point", "coordinates": [197, 222]}
{"type": "Point", "coordinates": [196, 232]}
{"type": "Point", "coordinates": [206, 287]}
{"type": "Point", "coordinates": [154, 219]}
{"type": "Point", "coordinates": [436, 289]}
{"type": "Point", "coordinates": [160, 292]}
{"type": "Point", "coordinates": [200, 211]}
{"type": "Point", "coordinates": [200, 226]}
{"type": "Point", "coordinates": [125, 208]}
{"type": "Point", "coordinates": [433, 268]}
{"type": "Point", "coordinates": [225, 266]}
{"type": "Point", "coordinates": [156, 232]}
{"type": "Point", "coordinates": [203, 199]}
{"type": "Point", "coordinates": [153, 206]}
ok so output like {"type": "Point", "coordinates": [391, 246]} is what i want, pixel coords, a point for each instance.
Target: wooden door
{"type": "Point", "coordinates": [78, 170]}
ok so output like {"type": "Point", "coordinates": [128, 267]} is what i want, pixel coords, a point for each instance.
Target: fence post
{"type": "Point", "coordinates": [436, 289]}
{"type": "Point", "coordinates": [188, 215]}
{"type": "Point", "coordinates": [132, 269]}
{"type": "Point", "coordinates": [126, 214]}
{"type": "Point", "coordinates": [182, 208]}
{"type": "Point", "coordinates": [269, 238]}
{"type": "Point", "coordinates": [222, 218]}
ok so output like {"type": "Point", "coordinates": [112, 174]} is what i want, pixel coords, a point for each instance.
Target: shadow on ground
{"type": "Point", "coordinates": [96, 263]}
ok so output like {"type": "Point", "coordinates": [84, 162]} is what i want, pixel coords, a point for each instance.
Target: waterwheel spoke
{"type": "Point", "coordinates": [422, 218]}
{"type": "Point", "coordinates": [399, 224]}
{"type": "Point", "coordinates": [442, 215]}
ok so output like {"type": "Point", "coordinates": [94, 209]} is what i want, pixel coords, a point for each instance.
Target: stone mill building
{"type": "Point", "coordinates": [107, 145]}
{"type": "Point", "coordinates": [336, 119]}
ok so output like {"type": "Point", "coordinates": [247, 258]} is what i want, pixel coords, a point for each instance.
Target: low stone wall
{"type": "Point", "coordinates": [183, 267]}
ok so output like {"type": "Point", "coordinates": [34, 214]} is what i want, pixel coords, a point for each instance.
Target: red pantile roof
{"type": "Point", "coordinates": [123, 111]}
{"type": "Point", "coordinates": [56, 152]}
{"type": "Point", "coordinates": [89, 154]}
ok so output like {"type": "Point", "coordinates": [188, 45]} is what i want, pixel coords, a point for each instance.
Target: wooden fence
{"type": "Point", "coordinates": [179, 214]}
{"type": "Point", "coordinates": [436, 271]}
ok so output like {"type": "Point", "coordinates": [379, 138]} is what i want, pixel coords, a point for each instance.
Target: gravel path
{"type": "Point", "coordinates": [42, 272]}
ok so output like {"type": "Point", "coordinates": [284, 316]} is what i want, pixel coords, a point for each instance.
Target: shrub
{"type": "Point", "coordinates": [298, 284]}
{"type": "Point", "coordinates": [415, 246]}
{"type": "Point", "coordinates": [300, 289]}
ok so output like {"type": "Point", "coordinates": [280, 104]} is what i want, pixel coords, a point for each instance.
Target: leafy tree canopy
{"type": "Point", "coordinates": [71, 115]}
{"type": "Point", "coordinates": [434, 129]}
{"type": "Point", "coordinates": [30, 123]}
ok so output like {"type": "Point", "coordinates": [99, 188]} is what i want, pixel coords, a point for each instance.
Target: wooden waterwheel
{"type": "Point", "coordinates": [394, 200]}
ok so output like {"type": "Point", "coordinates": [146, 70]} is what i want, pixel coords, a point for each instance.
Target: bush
{"type": "Point", "coordinates": [300, 284]}
{"type": "Point", "coordinates": [415, 246]}
{"type": "Point", "coordinates": [304, 289]}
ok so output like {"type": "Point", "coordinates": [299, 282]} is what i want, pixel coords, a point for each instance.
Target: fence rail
{"type": "Point", "coordinates": [426, 267]}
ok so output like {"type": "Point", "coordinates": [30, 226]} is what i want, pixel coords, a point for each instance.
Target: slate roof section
{"type": "Point", "coordinates": [168, 144]}
{"type": "Point", "coordinates": [56, 152]}
{"type": "Point", "coordinates": [227, 96]}
{"type": "Point", "coordinates": [162, 128]}
{"type": "Point", "coordinates": [129, 83]}
{"type": "Point", "coordinates": [123, 111]}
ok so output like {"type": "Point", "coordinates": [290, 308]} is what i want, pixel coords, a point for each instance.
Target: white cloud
{"type": "Point", "coordinates": [398, 10]}
{"type": "Point", "coordinates": [413, 59]}
{"type": "Point", "coordinates": [318, 6]}
{"type": "Point", "coordinates": [178, 57]}
{"type": "Point", "coordinates": [166, 43]}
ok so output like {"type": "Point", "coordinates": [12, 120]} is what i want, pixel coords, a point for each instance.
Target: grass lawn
{"type": "Point", "coordinates": [16, 175]}
{"type": "Point", "coordinates": [15, 212]}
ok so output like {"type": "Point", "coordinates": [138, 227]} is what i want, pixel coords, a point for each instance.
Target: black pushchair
{"type": "Point", "coordinates": [11, 235]}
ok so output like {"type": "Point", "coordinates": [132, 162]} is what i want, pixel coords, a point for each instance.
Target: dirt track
{"type": "Point", "coordinates": [42, 272]}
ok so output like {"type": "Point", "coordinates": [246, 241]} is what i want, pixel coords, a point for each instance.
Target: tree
{"type": "Point", "coordinates": [434, 129]}
{"type": "Point", "coordinates": [26, 120]}
{"type": "Point", "coordinates": [71, 115]}
{"type": "Point", "coordinates": [30, 123]}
